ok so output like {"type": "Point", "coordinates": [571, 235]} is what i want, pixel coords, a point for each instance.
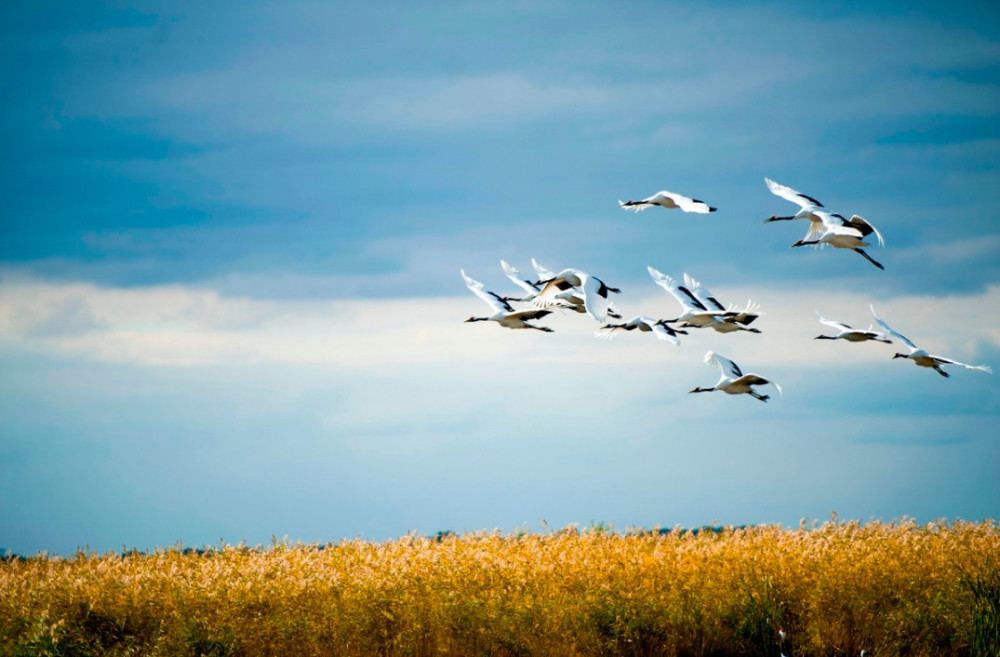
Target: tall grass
{"type": "Point", "coordinates": [834, 589]}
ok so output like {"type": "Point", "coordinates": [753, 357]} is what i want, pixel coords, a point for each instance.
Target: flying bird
{"type": "Point", "coordinates": [569, 281]}
{"type": "Point", "coordinates": [745, 315]}
{"type": "Point", "coordinates": [659, 328]}
{"type": "Point", "coordinates": [696, 314]}
{"type": "Point", "coordinates": [669, 200]}
{"type": "Point", "coordinates": [921, 357]}
{"type": "Point", "coordinates": [569, 299]}
{"type": "Point", "coordinates": [734, 381]}
{"type": "Point", "coordinates": [825, 227]}
{"type": "Point", "coordinates": [840, 233]}
{"type": "Point", "coordinates": [845, 332]}
{"type": "Point", "coordinates": [503, 313]}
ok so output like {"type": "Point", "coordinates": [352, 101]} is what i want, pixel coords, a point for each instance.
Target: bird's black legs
{"type": "Point", "coordinates": [757, 395]}
{"type": "Point", "coordinates": [870, 259]}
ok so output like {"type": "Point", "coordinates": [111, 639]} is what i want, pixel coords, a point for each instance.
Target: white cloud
{"type": "Point", "coordinates": [957, 251]}
{"type": "Point", "coordinates": [180, 326]}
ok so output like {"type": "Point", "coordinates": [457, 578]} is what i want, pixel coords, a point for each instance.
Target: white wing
{"type": "Point", "coordinates": [556, 292]}
{"type": "Point", "coordinates": [514, 275]}
{"type": "Point", "coordinates": [981, 368]}
{"type": "Point", "coordinates": [840, 326]}
{"type": "Point", "coordinates": [684, 202]}
{"type": "Point", "coordinates": [477, 288]}
{"type": "Point", "coordinates": [661, 332]}
{"type": "Point", "coordinates": [684, 296]}
{"type": "Point", "coordinates": [596, 305]}
{"type": "Point", "coordinates": [704, 295]}
{"type": "Point", "coordinates": [726, 366]}
{"type": "Point", "coordinates": [609, 332]}
{"type": "Point", "coordinates": [543, 273]}
{"type": "Point", "coordinates": [899, 336]}
{"type": "Point", "coordinates": [789, 194]}
{"type": "Point", "coordinates": [692, 205]}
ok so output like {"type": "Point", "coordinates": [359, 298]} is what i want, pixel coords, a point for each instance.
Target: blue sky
{"type": "Point", "coordinates": [230, 305]}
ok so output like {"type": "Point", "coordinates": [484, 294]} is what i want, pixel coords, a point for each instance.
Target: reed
{"type": "Point", "coordinates": [833, 589]}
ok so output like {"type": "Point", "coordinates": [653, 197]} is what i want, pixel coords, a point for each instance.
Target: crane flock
{"type": "Point", "coordinates": [580, 292]}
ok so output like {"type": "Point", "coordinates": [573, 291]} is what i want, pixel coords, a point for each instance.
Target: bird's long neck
{"type": "Point", "coordinates": [478, 319]}
{"type": "Point", "coordinates": [824, 337]}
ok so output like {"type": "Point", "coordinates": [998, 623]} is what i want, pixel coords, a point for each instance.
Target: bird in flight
{"type": "Point", "coordinates": [659, 327]}
{"type": "Point", "coordinates": [734, 381]}
{"type": "Point", "coordinates": [669, 200]}
{"type": "Point", "coordinates": [846, 332]}
{"type": "Point", "coordinates": [503, 313]}
{"type": "Point", "coordinates": [921, 357]}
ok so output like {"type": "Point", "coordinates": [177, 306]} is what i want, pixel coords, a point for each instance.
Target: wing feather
{"type": "Point", "coordinates": [899, 336]}
{"type": "Point", "coordinates": [494, 302]}
{"type": "Point", "coordinates": [789, 194]}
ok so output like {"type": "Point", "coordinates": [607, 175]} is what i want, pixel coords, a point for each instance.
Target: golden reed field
{"type": "Point", "coordinates": [831, 589]}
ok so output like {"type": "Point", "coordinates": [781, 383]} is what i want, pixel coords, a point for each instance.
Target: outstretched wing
{"type": "Point", "coordinates": [840, 326]}
{"type": "Point", "coordinates": [689, 204]}
{"type": "Point", "coordinates": [899, 336]}
{"type": "Point", "coordinates": [948, 361]}
{"type": "Point", "coordinates": [708, 299]}
{"type": "Point", "coordinates": [609, 331]}
{"type": "Point", "coordinates": [789, 194]}
{"type": "Point", "coordinates": [866, 228]}
{"type": "Point", "coordinates": [664, 333]}
{"type": "Point", "coordinates": [726, 366]}
{"type": "Point", "coordinates": [494, 301]}
{"type": "Point", "coordinates": [595, 298]}
{"type": "Point", "coordinates": [543, 273]}
{"type": "Point", "coordinates": [514, 275]}
{"type": "Point", "coordinates": [683, 295]}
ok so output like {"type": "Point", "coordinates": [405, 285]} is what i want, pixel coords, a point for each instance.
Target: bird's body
{"type": "Point", "coordinates": [733, 381]}
{"type": "Point", "coordinates": [669, 200]}
{"type": "Point", "coordinates": [743, 317]}
{"type": "Point", "coordinates": [503, 313]}
{"type": "Point", "coordinates": [845, 332]}
{"type": "Point", "coordinates": [841, 233]}
{"type": "Point", "coordinates": [658, 327]}
{"type": "Point", "coordinates": [696, 313]}
{"type": "Point", "coordinates": [565, 286]}
{"type": "Point", "coordinates": [921, 357]}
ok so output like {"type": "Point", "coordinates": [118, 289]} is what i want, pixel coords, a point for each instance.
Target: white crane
{"type": "Point", "coordinates": [567, 283]}
{"type": "Point", "coordinates": [669, 200]}
{"type": "Point", "coordinates": [695, 313]}
{"type": "Point", "coordinates": [921, 357]}
{"type": "Point", "coordinates": [659, 328]}
{"type": "Point", "coordinates": [734, 381]}
{"type": "Point", "coordinates": [842, 234]}
{"type": "Point", "coordinates": [503, 313]}
{"type": "Point", "coordinates": [846, 332]}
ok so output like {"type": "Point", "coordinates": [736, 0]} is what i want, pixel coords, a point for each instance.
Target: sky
{"type": "Point", "coordinates": [230, 300]}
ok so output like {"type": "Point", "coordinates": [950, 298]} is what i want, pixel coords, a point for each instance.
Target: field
{"type": "Point", "coordinates": [833, 589]}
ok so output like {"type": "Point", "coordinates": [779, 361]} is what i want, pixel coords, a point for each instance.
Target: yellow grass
{"type": "Point", "coordinates": [835, 589]}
